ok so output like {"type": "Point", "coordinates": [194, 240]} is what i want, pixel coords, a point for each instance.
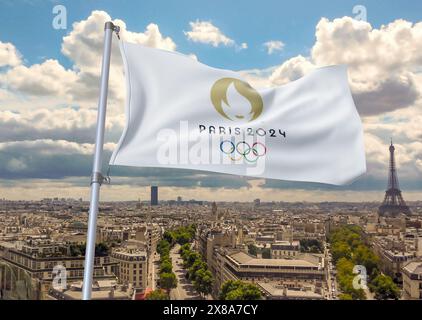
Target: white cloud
{"type": "Point", "coordinates": [9, 55]}
{"type": "Point", "coordinates": [40, 79]}
{"type": "Point", "coordinates": [206, 32]}
{"type": "Point", "coordinates": [383, 63]}
{"type": "Point", "coordinates": [83, 46]}
{"type": "Point", "coordinates": [274, 45]}
{"type": "Point", "coordinates": [57, 124]}
{"type": "Point", "coordinates": [291, 70]}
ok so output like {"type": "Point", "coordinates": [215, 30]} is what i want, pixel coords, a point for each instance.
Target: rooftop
{"type": "Point", "coordinates": [245, 259]}
{"type": "Point", "coordinates": [414, 267]}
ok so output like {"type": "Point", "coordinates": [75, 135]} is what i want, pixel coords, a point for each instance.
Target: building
{"type": "Point", "coordinates": [154, 195]}
{"type": "Point", "coordinates": [412, 280]}
{"type": "Point", "coordinates": [101, 290]}
{"type": "Point", "coordinates": [133, 266]}
{"type": "Point", "coordinates": [208, 239]}
{"type": "Point", "coordinates": [34, 263]}
{"type": "Point", "coordinates": [150, 235]}
{"type": "Point", "coordinates": [285, 249]}
{"type": "Point", "coordinates": [112, 234]}
{"type": "Point", "coordinates": [295, 274]}
{"type": "Point", "coordinates": [391, 260]}
{"type": "Point", "coordinates": [277, 291]}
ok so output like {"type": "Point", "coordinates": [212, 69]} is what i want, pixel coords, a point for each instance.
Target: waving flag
{"type": "Point", "coordinates": [186, 115]}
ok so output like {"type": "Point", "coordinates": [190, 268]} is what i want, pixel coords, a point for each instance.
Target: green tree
{"type": "Point", "coordinates": [345, 278]}
{"type": "Point", "coordinates": [385, 288]}
{"type": "Point", "coordinates": [311, 245]}
{"type": "Point", "coordinates": [239, 290]}
{"type": "Point", "coordinates": [228, 286]}
{"type": "Point", "coordinates": [75, 251]}
{"type": "Point", "coordinates": [157, 295]}
{"type": "Point", "coordinates": [191, 258]}
{"type": "Point", "coordinates": [166, 266]}
{"type": "Point", "coordinates": [163, 247]}
{"type": "Point", "coordinates": [203, 282]}
{"type": "Point", "coordinates": [364, 256]}
{"type": "Point", "coordinates": [252, 250]}
{"type": "Point", "coordinates": [169, 236]}
{"type": "Point", "coordinates": [341, 250]}
{"type": "Point", "coordinates": [197, 265]}
{"type": "Point", "coordinates": [345, 296]}
{"type": "Point", "coordinates": [183, 238]}
{"type": "Point", "coordinates": [102, 249]}
{"type": "Point", "coordinates": [184, 248]}
{"type": "Point", "coordinates": [168, 281]}
{"type": "Point", "coordinates": [266, 253]}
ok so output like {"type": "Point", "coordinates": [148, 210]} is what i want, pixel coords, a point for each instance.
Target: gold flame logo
{"type": "Point", "coordinates": [219, 95]}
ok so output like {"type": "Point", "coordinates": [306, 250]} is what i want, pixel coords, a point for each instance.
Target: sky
{"type": "Point", "coordinates": [49, 87]}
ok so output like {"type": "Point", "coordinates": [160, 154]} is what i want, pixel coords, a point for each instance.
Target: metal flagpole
{"type": "Point", "coordinates": [97, 178]}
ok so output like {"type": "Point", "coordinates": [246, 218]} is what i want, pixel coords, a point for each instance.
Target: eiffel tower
{"type": "Point", "coordinates": [394, 203]}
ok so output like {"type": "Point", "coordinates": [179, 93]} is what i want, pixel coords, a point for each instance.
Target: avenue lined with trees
{"type": "Point", "coordinates": [349, 249]}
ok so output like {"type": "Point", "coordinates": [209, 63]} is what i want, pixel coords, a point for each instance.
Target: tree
{"type": "Point", "coordinates": [168, 236]}
{"type": "Point", "coordinates": [341, 250]}
{"type": "Point", "coordinates": [239, 290]}
{"type": "Point", "coordinates": [168, 281]}
{"type": "Point", "coordinates": [163, 247]}
{"type": "Point", "coordinates": [385, 288]}
{"type": "Point", "coordinates": [75, 250]}
{"type": "Point", "coordinates": [345, 278]}
{"type": "Point", "coordinates": [101, 250]}
{"type": "Point", "coordinates": [191, 258]}
{"type": "Point", "coordinates": [157, 295]}
{"type": "Point", "coordinates": [311, 245]}
{"type": "Point", "coordinates": [228, 286]}
{"type": "Point", "coordinates": [203, 282]}
{"type": "Point", "coordinates": [184, 248]}
{"type": "Point", "coordinates": [183, 238]}
{"type": "Point", "coordinates": [166, 266]}
{"type": "Point", "coordinates": [362, 255]}
{"type": "Point", "coordinates": [266, 253]}
{"type": "Point", "coordinates": [197, 265]}
{"type": "Point", "coordinates": [252, 250]}
{"type": "Point", "coordinates": [345, 296]}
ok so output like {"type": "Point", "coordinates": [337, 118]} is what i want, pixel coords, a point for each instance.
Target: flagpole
{"type": "Point", "coordinates": [97, 178]}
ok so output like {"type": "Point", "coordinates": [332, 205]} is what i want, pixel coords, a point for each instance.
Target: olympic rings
{"type": "Point", "coordinates": [243, 149]}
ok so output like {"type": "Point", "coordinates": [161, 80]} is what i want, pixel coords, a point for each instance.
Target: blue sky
{"type": "Point", "coordinates": [27, 23]}
{"type": "Point", "coordinates": [384, 74]}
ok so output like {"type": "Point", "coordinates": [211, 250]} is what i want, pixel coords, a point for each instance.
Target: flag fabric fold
{"type": "Point", "coordinates": [183, 114]}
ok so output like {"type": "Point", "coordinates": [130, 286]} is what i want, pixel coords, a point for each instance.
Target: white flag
{"type": "Point", "coordinates": [184, 114]}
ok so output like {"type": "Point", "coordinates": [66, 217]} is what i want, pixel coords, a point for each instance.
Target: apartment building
{"type": "Point", "coordinates": [412, 280]}
{"type": "Point", "coordinates": [37, 264]}
{"type": "Point", "coordinates": [133, 266]}
{"type": "Point", "coordinates": [285, 249]}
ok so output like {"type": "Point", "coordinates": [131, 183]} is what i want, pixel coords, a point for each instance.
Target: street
{"type": "Point", "coordinates": [184, 289]}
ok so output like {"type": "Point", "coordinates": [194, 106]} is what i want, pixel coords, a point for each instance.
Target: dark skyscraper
{"type": "Point", "coordinates": [154, 195]}
{"type": "Point", "coordinates": [394, 203]}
